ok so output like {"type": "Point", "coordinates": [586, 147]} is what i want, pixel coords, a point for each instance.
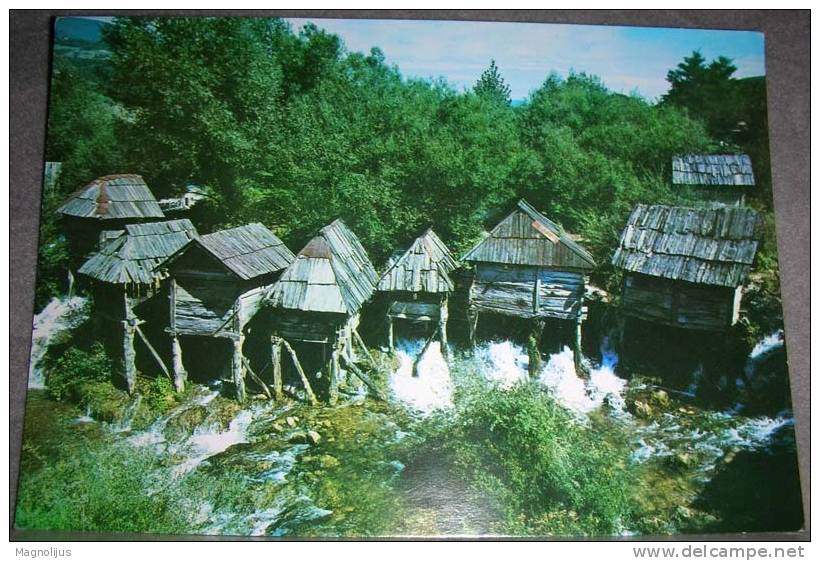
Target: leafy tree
{"type": "Point", "coordinates": [706, 91]}
{"type": "Point", "coordinates": [492, 86]}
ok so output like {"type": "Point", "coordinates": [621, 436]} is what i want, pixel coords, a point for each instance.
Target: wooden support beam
{"type": "Point", "coordinates": [256, 378]}
{"type": "Point", "coordinates": [237, 370]}
{"type": "Point", "coordinates": [180, 375]}
{"type": "Point", "coordinates": [364, 347]}
{"type": "Point", "coordinates": [129, 356]}
{"type": "Point", "coordinates": [472, 321]}
{"type": "Point", "coordinates": [335, 372]}
{"type": "Point", "coordinates": [363, 377]}
{"type": "Point", "coordinates": [534, 348]}
{"type": "Point", "coordinates": [276, 362]}
{"type": "Point", "coordinates": [153, 351]}
{"type": "Point", "coordinates": [308, 390]}
{"type": "Point", "coordinates": [442, 328]}
{"type": "Point", "coordinates": [577, 351]}
{"type": "Point", "coordinates": [415, 371]}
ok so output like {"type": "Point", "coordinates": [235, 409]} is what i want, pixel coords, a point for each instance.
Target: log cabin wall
{"type": "Point", "coordinates": [680, 304]}
{"type": "Point", "coordinates": [528, 292]}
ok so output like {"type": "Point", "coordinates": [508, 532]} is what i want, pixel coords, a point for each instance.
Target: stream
{"type": "Point", "coordinates": [286, 469]}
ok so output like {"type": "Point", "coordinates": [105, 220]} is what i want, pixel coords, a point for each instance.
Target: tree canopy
{"type": "Point", "coordinates": [291, 129]}
{"type": "Point", "coordinates": [492, 86]}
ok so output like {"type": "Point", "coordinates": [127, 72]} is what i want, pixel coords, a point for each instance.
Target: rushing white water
{"type": "Point", "coordinates": [207, 441]}
{"type": "Point", "coordinates": [503, 363]}
{"type": "Point", "coordinates": [579, 395]}
{"type": "Point", "coordinates": [155, 433]}
{"type": "Point", "coordinates": [60, 315]}
{"type": "Point", "coordinates": [767, 344]}
{"type": "Point", "coordinates": [432, 389]}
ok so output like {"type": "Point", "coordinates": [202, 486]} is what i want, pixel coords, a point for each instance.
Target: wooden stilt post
{"type": "Point", "coordinates": [276, 362]}
{"type": "Point", "coordinates": [473, 327]}
{"type": "Point", "coordinates": [348, 340]}
{"type": "Point", "coordinates": [390, 341]}
{"type": "Point", "coordinates": [333, 393]}
{"type": "Point", "coordinates": [238, 369]}
{"type": "Point", "coordinates": [576, 348]}
{"type": "Point", "coordinates": [129, 355]}
{"type": "Point", "coordinates": [180, 375]}
{"type": "Point", "coordinates": [442, 328]}
{"type": "Point", "coordinates": [534, 348]}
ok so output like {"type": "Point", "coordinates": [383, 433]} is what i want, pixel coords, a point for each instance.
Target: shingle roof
{"type": "Point", "coordinates": [132, 255]}
{"type": "Point", "coordinates": [332, 273]}
{"type": "Point", "coordinates": [113, 197]}
{"type": "Point", "coordinates": [424, 267]}
{"type": "Point", "coordinates": [248, 251]}
{"type": "Point", "coordinates": [700, 169]}
{"type": "Point", "coordinates": [714, 246]}
{"type": "Point", "coordinates": [527, 237]}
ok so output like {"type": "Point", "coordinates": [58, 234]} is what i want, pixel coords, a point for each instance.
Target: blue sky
{"type": "Point", "coordinates": [627, 59]}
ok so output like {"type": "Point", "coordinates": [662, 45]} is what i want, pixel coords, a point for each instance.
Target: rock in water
{"type": "Point", "coordinates": [314, 436]}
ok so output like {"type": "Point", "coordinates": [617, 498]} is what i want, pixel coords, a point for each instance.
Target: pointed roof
{"type": "Point", "coordinates": [332, 273]}
{"type": "Point", "coordinates": [424, 267]}
{"type": "Point", "coordinates": [247, 251]}
{"type": "Point", "coordinates": [113, 197]}
{"type": "Point", "coordinates": [133, 255]}
{"type": "Point", "coordinates": [714, 246]}
{"type": "Point", "coordinates": [527, 237]}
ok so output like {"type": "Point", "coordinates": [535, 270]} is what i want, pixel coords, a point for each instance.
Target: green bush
{"type": "Point", "coordinates": [161, 394]}
{"type": "Point", "coordinates": [552, 475]}
{"type": "Point", "coordinates": [77, 366]}
{"type": "Point", "coordinates": [103, 489]}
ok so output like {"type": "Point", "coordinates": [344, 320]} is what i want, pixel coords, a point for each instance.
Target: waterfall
{"type": "Point", "coordinates": [579, 395]}
{"type": "Point", "coordinates": [432, 389]}
{"type": "Point", "coordinates": [60, 315]}
{"type": "Point", "coordinates": [503, 362]}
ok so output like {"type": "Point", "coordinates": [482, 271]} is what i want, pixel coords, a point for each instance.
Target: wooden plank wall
{"type": "Point", "coordinates": [679, 304]}
{"type": "Point", "coordinates": [527, 291]}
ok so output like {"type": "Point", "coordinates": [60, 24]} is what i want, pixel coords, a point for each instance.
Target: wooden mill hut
{"type": "Point", "coordinates": [126, 281]}
{"type": "Point", "coordinates": [218, 282]}
{"type": "Point", "coordinates": [723, 178]}
{"type": "Point", "coordinates": [529, 267]}
{"type": "Point", "coordinates": [685, 267]}
{"type": "Point", "coordinates": [417, 284]}
{"type": "Point", "coordinates": [107, 203]}
{"type": "Point", "coordinates": [315, 306]}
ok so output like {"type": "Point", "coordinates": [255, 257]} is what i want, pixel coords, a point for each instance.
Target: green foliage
{"type": "Point", "coordinates": [102, 489]}
{"type": "Point", "coordinates": [52, 253]}
{"type": "Point", "coordinates": [696, 85]}
{"type": "Point", "coordinates": [161, 394]}
{"type": "Point", "coordinates": [75, 367]}
{"type": "Point", "coordinates": [554, 475]}
{"type": "Point", "coordinates": [492, 86]}
{"type": "Point", "coordinates": [81, 124]}
{"type": "Point", "coordinates": [289, 129]}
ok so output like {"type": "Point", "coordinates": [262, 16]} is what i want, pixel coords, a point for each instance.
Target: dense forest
{"type": "Point", "coordinates": [290, 129]}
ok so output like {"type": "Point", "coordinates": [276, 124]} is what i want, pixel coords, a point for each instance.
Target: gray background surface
{"type": "Point", "coordinates": [788, 76]}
